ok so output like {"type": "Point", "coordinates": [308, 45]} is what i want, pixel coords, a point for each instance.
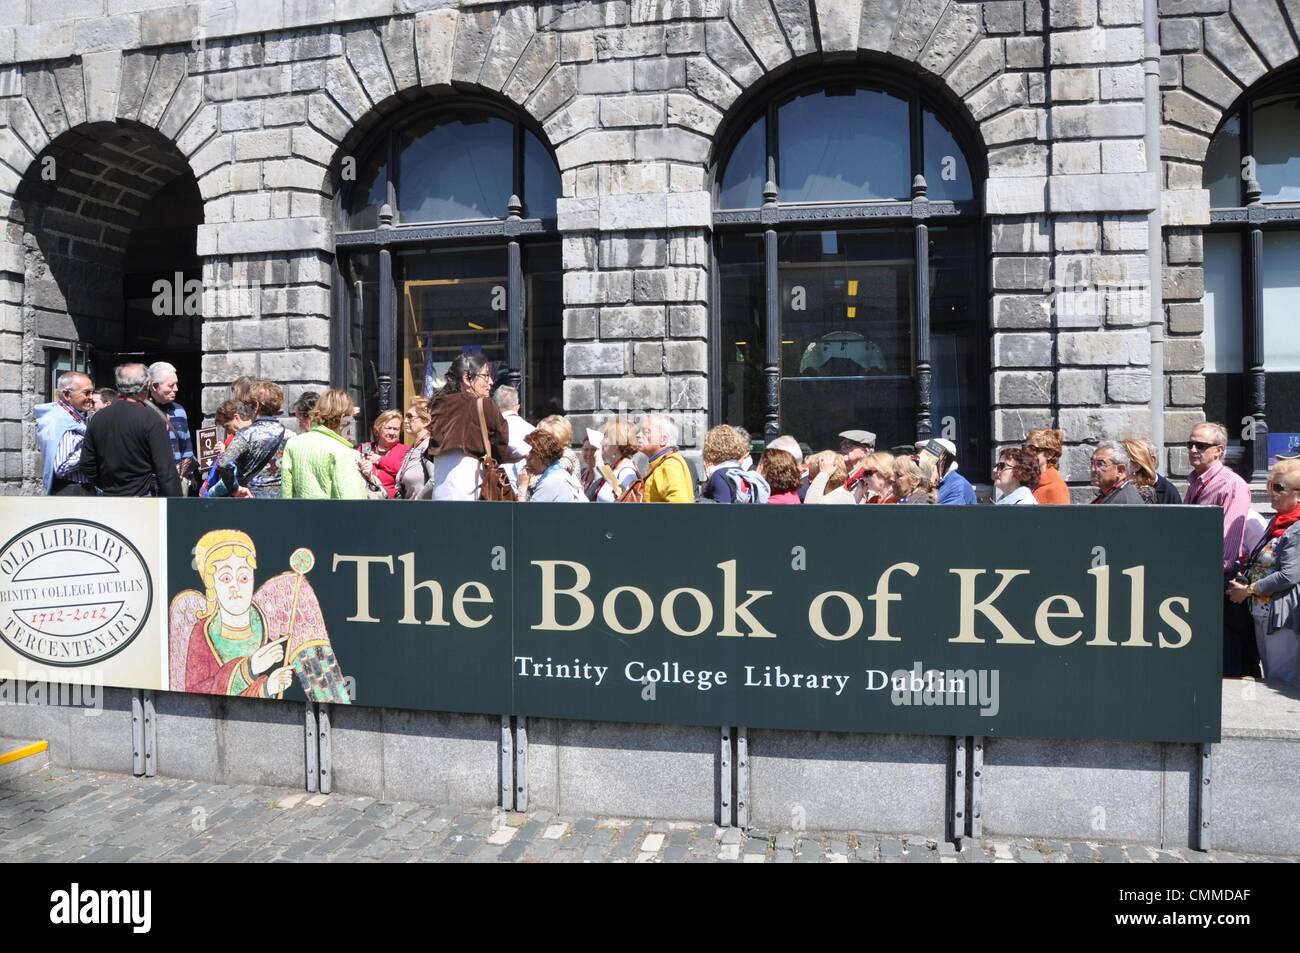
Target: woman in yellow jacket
{"type": "Point", "coordinates": [669, 478]}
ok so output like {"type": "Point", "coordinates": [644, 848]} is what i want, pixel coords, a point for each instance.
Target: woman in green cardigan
{"type": "Point", "coordinates": [321, 464]}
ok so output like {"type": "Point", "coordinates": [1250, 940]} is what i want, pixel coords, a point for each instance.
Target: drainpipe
{"type": "Point", "coordinates": [1155, 241]}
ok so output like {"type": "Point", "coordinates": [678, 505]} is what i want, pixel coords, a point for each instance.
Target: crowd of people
{"type": "Point", "coordinates": [469, 442]}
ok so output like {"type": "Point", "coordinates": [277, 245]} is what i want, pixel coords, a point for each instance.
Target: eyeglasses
{"type": "Point", "coordinates": [1200, 445]}
{"type": "Point", "coordinates": [1032, 449]}
{"type": "Point", "coordinates": [1280, 488]}
{"type": "Point", "coordinates": [999, 467]}
{"type": "Point", "coordinates": [483, 375]}
{"type": "Point", "coordinates": [1102, 464]}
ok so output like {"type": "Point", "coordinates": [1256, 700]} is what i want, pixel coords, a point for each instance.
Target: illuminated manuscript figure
{"type": "Point", "coordinates": [234, 641]}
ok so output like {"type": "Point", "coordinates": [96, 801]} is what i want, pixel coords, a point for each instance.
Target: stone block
{"type": "Point", "coordinates": [618, 251]}
{"type": "Point", "coordinates": [1076, 158]}
{"type": "Point", "coordinates": [1022, 387]}
{"type": "Point", "coordinates": [1125, 155]}
{"type": "Point", "coordinates": [686, 357]}
{"type": "Point", "coordinates": [1186, 317]}
{"type": "Point", "coordinates": [1254, 813]}
{"type": "Point", "coordinates": [610, 287]}
{"type": "Point", "coordinates": [1098, 193]}
{"type": "Point", "coordinates": [580, 394]}
{"type": "Point", "coordinates": [648, 358]}
{"type": "Point", "coordinates": [1203, 77]}
{"type": "Point", "coordinates": [1184, 354]}
{"type": "Point", "coordinates": [1020, 235]}
{"type": "Point", "coordinates": [710, 83]}
{"type": "Point", "coordinates": [635, 322]}
{"type": "Point", "coordinates": [1081, 387]}
{"type": "Point", "coordinates": [1096, 45]}
{"type": "Point", "coordinates": [1021, 161]}
{"type": "Point", "coordinates": [580, 322]}
{"type": "Point", "coordinates": [847, 781]}
{"type": "Point", "coordinates": [634, 393]}
{"type": "Point", "coordinates": [609, 77]}
{"type": "Point", "coordinates": [1121, 82]}
{"type": "Point", "coordinates": [1179, 424]}
{"type": "Point", "coordinates": [1099, 348]}
{"type": "Point", "coordinates": [1012, 426]}
{"type": "Point", "coordinates": [1079, 790]}
{"type": "Point", "coordinates": [1016, 349]}
{"type": "Point", "coordinates": [230, 740]}
{"type": "Point", "coordinates": [1107, 423]}
{"type": "Point", "coordinates": [594, 359]}
{"type": "Point", "coordinates": [1020, 312]}
{"type": "Point", "coordinates": [1129, 387]}
{"type": "Point", "coordinates": [1020, 273]}
{"type": "Point", "coordinates": [580, 768]}
{"type": "Point", "coordinates": [1074, 85]}
{"type": "Point", "coordinates": [1016, 196]}
{"type": "Point", "coordinates": [688, 321]}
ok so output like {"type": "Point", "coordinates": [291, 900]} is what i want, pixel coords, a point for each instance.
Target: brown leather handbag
{"type": "Point", "coordinates": [494, 484]}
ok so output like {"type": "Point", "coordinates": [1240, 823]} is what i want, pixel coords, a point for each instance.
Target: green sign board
{"type": "Point", "coordinates": [1068, 622]}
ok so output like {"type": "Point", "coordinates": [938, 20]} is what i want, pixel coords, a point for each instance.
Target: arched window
{"type": "Point", "coordinates": [1252, 274]}
{"type": "Point", "coordinates": [848, 288]}
{"type": "Point", "coordinates": [450, 247]}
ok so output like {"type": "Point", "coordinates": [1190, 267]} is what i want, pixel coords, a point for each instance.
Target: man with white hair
{"type": "Point", "coordinates": [507, 400]}
{"type": "Point", "coordinates": [60, 428]}
{"type": "Point", "coordinates": [1112, 472]}
{"type": "Point", "coordinates": [163, 384]}
{"type": "Point", "coordinates": [126, 451]}
{"type": "Point", "coordinates": [668, 479]}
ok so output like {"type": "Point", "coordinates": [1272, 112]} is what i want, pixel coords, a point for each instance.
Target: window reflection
{"type": "Point", "coordinates": [455, 170]}
{"type": "Point", "coordinates": [1277, 148]}
{"type": "Point", "coordinates": [1223, 166]}
{"type": "Point", "coordinates": [543, 331]}
{"type": "Point", "coordinates": [742, 342]}
{"type": "Point", "coordinates": [846, 333]}
{"type": "Point", "coordinates": [452, 301]}
{"type": "Point", "coordinates": [541, 179]}
{"type": "Point", "coordinates": [947, 176]}
{"type": "Point", "coordinates": [842, 146]}
{"type": "Point", "coordinates": [742, 180]}
{"type": "Point", "coordinates": [957, 348]}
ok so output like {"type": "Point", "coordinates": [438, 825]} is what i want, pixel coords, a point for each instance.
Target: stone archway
{"type": "Point", "coordinates": [108, 210]}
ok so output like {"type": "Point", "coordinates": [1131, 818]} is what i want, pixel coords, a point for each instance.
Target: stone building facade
{"type": "Point", "coordinates": [219, 142]}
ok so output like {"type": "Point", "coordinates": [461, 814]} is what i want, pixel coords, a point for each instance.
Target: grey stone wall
{"type": "Point", "coordinates": [261, 101]}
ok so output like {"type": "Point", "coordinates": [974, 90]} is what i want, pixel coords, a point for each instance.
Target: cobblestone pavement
{"type": "Point", "coordinates": [63, 815]}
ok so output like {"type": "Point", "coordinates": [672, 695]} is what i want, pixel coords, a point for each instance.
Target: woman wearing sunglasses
{"type": "Point", "coordinates": [1271, 579]}
{"type": "Point", "coordinates": [1016, 474]}
{"type": "Point", "coordinates": [1046, 446]}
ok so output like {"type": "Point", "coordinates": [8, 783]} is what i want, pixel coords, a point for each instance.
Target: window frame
{"type": "Point", "coordinates": [1250, 220]}
{"type": "Point", "coordinates": [510, 228]}
{"type": "Point", "coordinates": [774, 218]}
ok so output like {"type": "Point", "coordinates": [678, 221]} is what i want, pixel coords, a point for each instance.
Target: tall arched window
{"type": "Point", "coordinates": [1252, 274]}
{"type": "Point", "coordinates": [450, 247]}
{"type": "Point", "coordinates": [848, 287]}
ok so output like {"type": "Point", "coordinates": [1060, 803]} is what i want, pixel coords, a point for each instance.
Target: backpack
{"type": "Point", "coordinates": [747, 486]}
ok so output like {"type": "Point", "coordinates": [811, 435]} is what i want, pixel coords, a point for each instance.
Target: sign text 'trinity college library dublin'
{"type": "Point", "coordinates": [1044, 621]}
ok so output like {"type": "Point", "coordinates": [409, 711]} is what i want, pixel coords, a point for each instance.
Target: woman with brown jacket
{"type": "Point", "coordinates": [458, 414]}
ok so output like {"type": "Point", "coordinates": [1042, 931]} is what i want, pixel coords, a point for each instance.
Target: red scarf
{"type": "Point", "coordinates": [1282, 521]}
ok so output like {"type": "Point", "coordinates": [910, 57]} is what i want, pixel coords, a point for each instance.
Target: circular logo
{"type": "Point", "coordinates": [72, 593]}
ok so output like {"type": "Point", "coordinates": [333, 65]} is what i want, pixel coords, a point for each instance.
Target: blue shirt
{"type": "Point", "coordinates": [955, 490]}
{"type": "Point", "coordinates": [178, 430]}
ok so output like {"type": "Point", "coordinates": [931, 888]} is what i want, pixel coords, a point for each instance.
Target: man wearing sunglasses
{"type": "Point", "coordinates": [1213, 484]}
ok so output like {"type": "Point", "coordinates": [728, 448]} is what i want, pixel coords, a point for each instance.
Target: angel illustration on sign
{"type": "Point", "coordinates": [230, 640]}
